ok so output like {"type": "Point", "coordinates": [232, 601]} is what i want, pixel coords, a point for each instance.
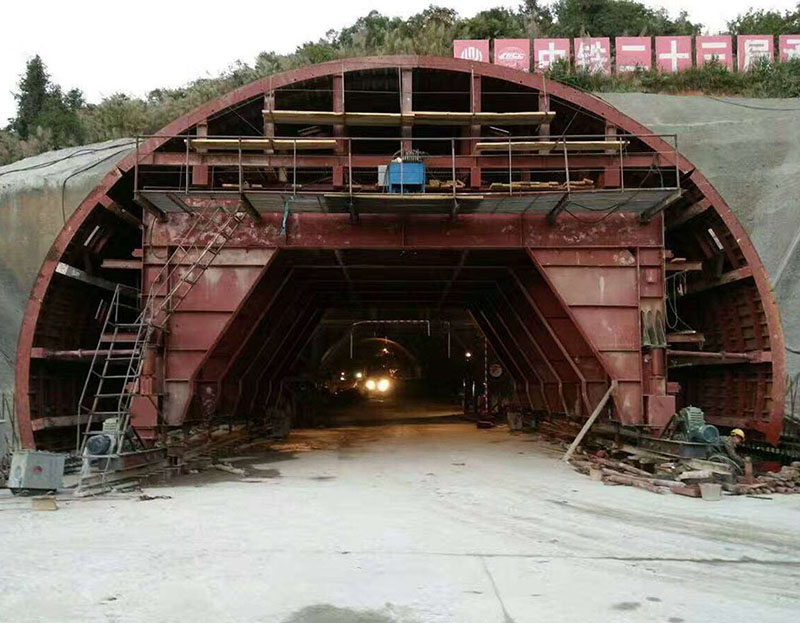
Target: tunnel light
{"type": "Point", "coordinates": [359, 375]}
{"type": "Point", "coordinates": [383, 385]}
{"type": "Point", "coordinates": [371, 384]}
{"type": "Point", "coordinates": [468, 355]}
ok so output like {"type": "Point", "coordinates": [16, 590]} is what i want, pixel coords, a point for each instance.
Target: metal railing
{"type": "Point", "coordinates": [505, 168]}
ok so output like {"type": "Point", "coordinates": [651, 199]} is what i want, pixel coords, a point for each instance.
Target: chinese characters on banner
{"type": "Point", "coordinates": [790, 47]}
{"type": "Point", "coordinates": [548, 51]}
{"type": "Point", "coordinates": [673, 54]}
{"type": "Point", "coordinates": [593, 54]}
{"type": "Point", "coordinates": [633, 52]}
{"type": "Point", "coordinates": [514, 53]}
{"type": "Point", "coordinates": [752, 48]}
{"type": "Point", "coordinates": [718, 48]}
{"type": "Point", "coordinates": [471, 49]}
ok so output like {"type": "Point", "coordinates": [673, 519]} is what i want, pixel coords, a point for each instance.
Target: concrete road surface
{"type": "Point", "coordinates": [401, 523]}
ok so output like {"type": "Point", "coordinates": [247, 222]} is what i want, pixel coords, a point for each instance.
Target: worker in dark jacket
{"type": "Point", "coordinates": [730, 443]}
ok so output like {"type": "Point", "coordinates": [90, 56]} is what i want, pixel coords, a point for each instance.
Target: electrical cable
{"type": "Point", "coordinates": [78, 172]}
{"type": "Point", "coordinates": [751, 106]}
{"type": "Point", "coordinates": [80, 152]}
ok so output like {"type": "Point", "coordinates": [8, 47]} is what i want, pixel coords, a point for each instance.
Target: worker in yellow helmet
{"type": "Point", "coordinates": [730, 444]}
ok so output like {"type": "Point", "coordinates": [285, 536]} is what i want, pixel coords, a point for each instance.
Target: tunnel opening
{"type": "Point", "coordinates": [414, 330]}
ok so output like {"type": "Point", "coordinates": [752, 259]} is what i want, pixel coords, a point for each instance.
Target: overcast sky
{"type": "Point", "coordinates": [104, 47]}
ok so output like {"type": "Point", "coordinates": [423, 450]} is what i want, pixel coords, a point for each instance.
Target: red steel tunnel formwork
{"type": "Point", "coordinates": [585, 248]}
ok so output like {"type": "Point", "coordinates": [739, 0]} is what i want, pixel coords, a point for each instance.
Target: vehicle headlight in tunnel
{"type": "Point", "coordinates": [383, 385]}
{"type": "Point", "coordinates": [371, 384]}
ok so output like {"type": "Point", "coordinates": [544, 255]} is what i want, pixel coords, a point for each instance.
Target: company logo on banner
{"type": "Point", "coordinates": [752, 48]}
{"type": "Point", "coordinates": [633, 52]}
{"type": "Point", "coordinates": [673, 54]}
{"type": "Point", "coordinates": [548, 51]}
{"type": "Point", "coordinates": [472, 49]}
{"type": "Point", "coordinates": [593, 54]}
{"type": "Point", "coordinates": [718, 48]}
{"type": "Point", "coordinates": [514, 53]}
{"type": "Point", "coordinates": [790, 47]}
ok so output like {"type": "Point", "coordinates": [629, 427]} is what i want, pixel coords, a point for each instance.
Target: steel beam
{"type": "Point", "coordinates": [594, 161]}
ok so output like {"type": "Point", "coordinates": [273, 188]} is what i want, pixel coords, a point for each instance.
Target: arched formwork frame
{"type": "Point", "coordinates": [701, 204]}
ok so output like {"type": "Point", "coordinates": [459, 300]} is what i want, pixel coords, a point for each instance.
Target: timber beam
{"type": "Point", "coordinates": [82, 275]}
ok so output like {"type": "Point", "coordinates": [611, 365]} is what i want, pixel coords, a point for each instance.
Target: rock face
{"type": "Point", "coordinates": [749, 149]}
{"type": "Point", "coordinates": [37, 196]}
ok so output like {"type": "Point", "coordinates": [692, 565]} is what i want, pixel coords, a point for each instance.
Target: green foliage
{"type": "Point", "coordinates": [33, 92]}
{"type": "Point", "coordinates": [47, 118]}
{"type": "Point", "coordinates": [760, 22]}
{"type": "Point", "coordinates": [610, 18]}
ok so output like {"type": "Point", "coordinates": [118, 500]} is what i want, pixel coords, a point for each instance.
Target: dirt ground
{"type": "Point", "coordinates": [409, 521]}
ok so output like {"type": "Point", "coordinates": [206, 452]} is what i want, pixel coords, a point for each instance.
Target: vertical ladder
{"type": "Point", "coordinates": [117, 362]}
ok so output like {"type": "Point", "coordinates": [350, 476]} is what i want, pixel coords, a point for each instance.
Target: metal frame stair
{"type": "Point", "coordinates": [114, 373]}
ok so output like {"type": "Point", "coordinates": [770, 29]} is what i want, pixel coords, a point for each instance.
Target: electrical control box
{"type": "Point", "coordinates": [406, 177]}
{"type": "Point", "coordinates": [32, 470]}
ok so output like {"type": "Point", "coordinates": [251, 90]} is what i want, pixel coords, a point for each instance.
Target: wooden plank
{"type": "Point", "coordinates": [321, 117]}
{"type": "Point", "coordinates": [731, 276]}
{"type": "Point", "coordinates": [579, 437]}
{"type": "Point", "coordinates": [679, 265]}
{"type": "Point", "coordinates": [61, 421]}
{"type": "Point", "coordinates": [121, 264]}
{"type": "Point", "coordinates": [686, 338]}
{"type": "Point", "coordinates": [81, 275]}
{"type": "Point", "coordinates": [416, 117]}
{"type": "Point", "coordinates": [261, 144]}
{"type": "Point", "coordinates": [688, 214]}
{"type": "Point", "coordinates": [516, 146]}
{"type": "Point", "coordinates": [403, 197]}
{"type": "Point", "coordinates": [481, 118]}
{"type": "Point", "coordinates": [550, 146]}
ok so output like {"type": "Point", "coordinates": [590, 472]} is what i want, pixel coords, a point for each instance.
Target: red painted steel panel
{"type": "Point", "coordinates": [673, 54]}
{"type": "Point", "coordinates": [593, 54]}
{"type": "Point", "coordinates": [471, 50]}
{"type": "Point", "coordinates": [611, 328]}
{"type": "Point", "coordinates": [789, 47]}
{"type": "Point", "coordinates": [549, 51]}
{"type": "Point", "coordinates": [716, 48]}
{"type": "Point", "coordinates": [514, 53]}
{"type": "Point", "coordinates": [750, 49]}
{"type": "Point", "coordinates": [596, 286]}
{"type": "Point", "coordinates": [633, 53]}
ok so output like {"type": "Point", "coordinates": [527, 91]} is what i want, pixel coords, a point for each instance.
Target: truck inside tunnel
{"type": "Point", "coordinates": [462, 235]}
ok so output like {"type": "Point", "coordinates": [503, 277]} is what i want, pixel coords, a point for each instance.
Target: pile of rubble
{"type": "Point", "coordinates": [685, 476]}
{"type": "Point", "coordinates": [622, 464]}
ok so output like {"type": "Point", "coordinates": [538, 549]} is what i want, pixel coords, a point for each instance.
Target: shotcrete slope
{"type": "Point", "coordinates": [749, 149]}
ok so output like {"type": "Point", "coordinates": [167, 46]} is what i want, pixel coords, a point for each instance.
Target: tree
{"type": "Point", "coordinates": [760, 22]}
{"type": "Point", "coordinates": [33, 88]}
{"type": "Point", "coordinates": [611, 18]}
